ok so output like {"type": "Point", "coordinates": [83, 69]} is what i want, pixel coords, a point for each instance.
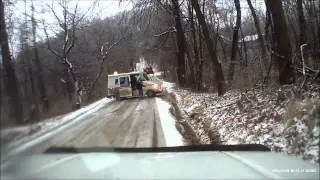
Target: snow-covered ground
{"type": "Point", "coordinates": [19, 135]}
{"type": "Point", "coordinates": [171, 135]}
{"type": "Point", "coordinates": [282, 119]}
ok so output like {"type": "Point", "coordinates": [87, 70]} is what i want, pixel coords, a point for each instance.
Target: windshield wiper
{"type": "Point", "coordinates": [209, 147]}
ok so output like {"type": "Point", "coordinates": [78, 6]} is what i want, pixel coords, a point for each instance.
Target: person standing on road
{"type": "Point", "coordinates": [133, 83]}
{"type": "Point", "coordinates": [139, 86]}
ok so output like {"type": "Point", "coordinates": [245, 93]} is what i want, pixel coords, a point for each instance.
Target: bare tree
{"type": "Point", "coordinates": [42, 90]}
{"type": "Point", "coordinates": [235, 41]}
{"type": "Point", "coordinates": [195, 50]}
{"type": "Point", "coordinates": [29, 64]}
{"type": "Point", "coordinates": [180, 44]}
{"type": "Point", "coordinates": [314, 28]}
{"type": "Point", "coordinates": [262, 42]}
{"type": "Point", "coordinates": [68, 24]}
{"type": "Point", "coordinates": [104, 55]}
{"type": "Point", "coordinates": [283, 51]}
{"type": "Point", "coordinates": [10, 79]}
{"type": "Point", "coordinates": [219, 78]}
{"type": "Point", "coordinates": [302, 24]}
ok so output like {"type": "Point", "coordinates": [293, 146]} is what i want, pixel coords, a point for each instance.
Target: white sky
{"type": "Point", "coordinates": [259, 6]}
{"type": "Point", "coordinates": [110, 7]}
{"type": "Point", "coordinates": [102, 9]}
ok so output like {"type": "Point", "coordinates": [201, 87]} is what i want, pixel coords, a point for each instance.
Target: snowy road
{"type": "Point", "coordinates": [128, 123]}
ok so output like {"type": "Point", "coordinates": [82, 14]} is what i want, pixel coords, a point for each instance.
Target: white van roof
{"type": "Point", "coordinates": [134, 72]}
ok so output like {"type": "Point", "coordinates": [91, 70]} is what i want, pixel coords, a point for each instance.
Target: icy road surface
{"type": "Point", "coordinates": [127, 123]}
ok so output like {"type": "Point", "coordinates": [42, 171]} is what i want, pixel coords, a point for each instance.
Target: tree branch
{"type": "Point", "coordinates": [170, 30]}
{"type": "Point", "coordinates": [274, 53]}
{"type": "Point", "coordinates": [303, 66]}
{"type": "Point", "coordinates": [56, 16]}
{"type": "Point", "coordinates": [48, 43]}
{"type": "Point", "coordinates": [104, 57]}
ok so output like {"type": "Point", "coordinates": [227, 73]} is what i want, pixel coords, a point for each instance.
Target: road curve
{"type": "Point", "coordinates": [127, 123]}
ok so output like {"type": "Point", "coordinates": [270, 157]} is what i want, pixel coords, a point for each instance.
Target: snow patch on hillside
{"type": "Point", "coordinates": [282, 119]}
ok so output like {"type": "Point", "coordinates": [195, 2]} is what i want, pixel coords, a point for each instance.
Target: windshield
{"type": "Point", "coordinates": [220, 72]}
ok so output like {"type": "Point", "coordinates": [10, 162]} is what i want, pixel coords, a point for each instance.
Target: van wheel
{"type": "Point", "coordinates": [151, 94]}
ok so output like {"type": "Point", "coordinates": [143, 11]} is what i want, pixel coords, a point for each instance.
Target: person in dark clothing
{"type": "Point", "coordinates": [133, 83]}
{"type": "Point", "coordinates": [139, 86]}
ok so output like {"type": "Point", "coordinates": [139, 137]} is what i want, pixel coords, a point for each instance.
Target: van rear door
{"type": "Point", "coordinates": [113, 83]}
{"type": "Point", "coordinates": [125, 86]}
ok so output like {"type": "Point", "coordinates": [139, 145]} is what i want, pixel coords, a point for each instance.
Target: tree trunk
{"type": "Point", "coordinates": [262, 43]}
{"type": "Point", "coordinates": [302, 30]}
{"type": "Point", "coordinates": [316, 13]}
{"type": "Point", "coordinates": [245, 49]}
{"type": "Point", "coordinates": [302, 23]}
{"type": "Point", "coordinates": [318, 44]}
{"type": "Point", "coordinates": [10, 80]}
{"type": "Point", "coordinates": [235, 40]}
{"type": "Point", "coordinates": [24, 73]}
{"type": "Point", "coordinates": [68, 82]}
{"type": "Point", "coordinates": [313, 29]}
{"type": "Point", "coordinates": [199, 82]}
{"type": "Point", "coordinates": [34, 109]}
{"type": "Point", "coordinates": [174, 67]}
{"type": "Point", "coordinates": [195, 48]}
{"type": "Point", "coordinates": [219, 79]}
{"type": "Point", "coordinates": [73, 85]}
{"type": "Point", "coordinates": [181, 73]}
{"type": "Point", "coordinates": [292, 27]}
{"type": "Point", "coordinates": [283, 47]}
{"type": "Point", "coordinates": [191, 78]}
{"type": "Point", "coordinates": [43, 97]}
{"type": "Point", "coordinates": [200, 68]}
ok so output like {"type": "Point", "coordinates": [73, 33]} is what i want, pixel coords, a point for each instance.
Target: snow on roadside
{"type": "Point", "coordinates": [283, 121]}
{"type": "Point", "coordinates": [169, 87]}
{"type": "Point", "coordinates": [14, 136]}
{"type": "Point", "coordinates": [172, 136]}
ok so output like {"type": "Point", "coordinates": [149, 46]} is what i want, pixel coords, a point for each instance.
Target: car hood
{"type": "Point", "coordinates": [173, 165]}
